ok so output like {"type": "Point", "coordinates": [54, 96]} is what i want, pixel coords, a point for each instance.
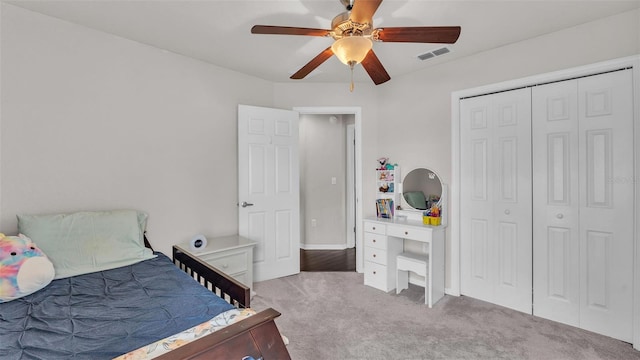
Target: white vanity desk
{"type": "Point", "coordinates": [384, 240]}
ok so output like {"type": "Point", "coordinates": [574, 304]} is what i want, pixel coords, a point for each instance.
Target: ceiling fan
{"type": "Point", "coordinates": [354, 34]}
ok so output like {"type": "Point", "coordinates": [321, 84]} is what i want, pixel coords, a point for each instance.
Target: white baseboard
{"type": "Point", "coordinates": [323, 246]}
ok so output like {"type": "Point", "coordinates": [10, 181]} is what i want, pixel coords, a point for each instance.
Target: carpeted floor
{"type": "Point", "coordinates": [332, 315]}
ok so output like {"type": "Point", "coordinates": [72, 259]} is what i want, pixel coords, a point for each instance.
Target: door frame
{"type": "Point", "coordinates": [351, 186]}
{"type": "Point", "coordinates": [356, 111]}
{"type": "Point", "coordinates": [632, 62]}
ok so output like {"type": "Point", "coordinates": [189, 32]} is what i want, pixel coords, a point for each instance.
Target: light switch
{"type": "Point", "coordinates": [334, 180]}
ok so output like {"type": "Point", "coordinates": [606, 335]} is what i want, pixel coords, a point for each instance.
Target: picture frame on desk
{"type": "Point", "coordinates": [384, 208]}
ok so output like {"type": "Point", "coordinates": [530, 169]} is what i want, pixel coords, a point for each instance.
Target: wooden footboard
{"type": "Point", "coordinates": [256, 336]}
{"type": "Point", "coordinates": [213, 279]}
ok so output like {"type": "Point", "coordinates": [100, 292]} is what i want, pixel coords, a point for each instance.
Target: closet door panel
{"type": "Point", "coordinates": [556, 290]}
{"type": "Point", "coordinates": [477, 229]}
{"type": "Point", "coordinates": [512, 200]}
{"type": "Point", "coordinates": [606, 203]}
{"type": "Point", "coordinates": [496, 188]}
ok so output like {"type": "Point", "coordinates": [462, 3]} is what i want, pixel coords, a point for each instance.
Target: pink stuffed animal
{"type": "Point", "coordinates": [24, 268]}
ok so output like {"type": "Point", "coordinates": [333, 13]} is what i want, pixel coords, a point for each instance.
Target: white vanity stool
{"type": "Point", "coordinates": [417, 263]}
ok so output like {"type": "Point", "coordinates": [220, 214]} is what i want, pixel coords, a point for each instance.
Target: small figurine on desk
{"type": "Point", "coordinates": [435, 211]}
{"type": "Point", "coordinates": [383, 162]}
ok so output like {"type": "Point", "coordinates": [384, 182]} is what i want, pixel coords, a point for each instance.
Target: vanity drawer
{"type": "Point", "coordinates": [375, 275]}
{"type": "Point", "coordinates": [375, 255]}
{"type": "Point", "coordinates": [408, 232]}
{"type": "Point", "coordinates": [374, 228]}
{"type": "Point", "coordinates": [228, 263]}
{"type": "Point", "coordinates": [375, 240]}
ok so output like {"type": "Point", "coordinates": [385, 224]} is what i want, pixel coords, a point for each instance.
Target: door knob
{"type": "Point", "coordinates": [559, 216]}
{"type": "Point", "coordinates": [507, 212]}
{"type": "Point", "coordinates": [245, 204]}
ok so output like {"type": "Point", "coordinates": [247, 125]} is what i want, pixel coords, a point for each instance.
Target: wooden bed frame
{"type": "Point", "coordinates": [256, 336]}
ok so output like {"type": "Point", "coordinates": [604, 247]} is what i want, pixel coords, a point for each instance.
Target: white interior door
{"type": "Point", "coordinates": [268, 189]}
{"type": "Point", "coordinates": [583, 203]}
{"type": "Point", "coordinates": [496, 198]}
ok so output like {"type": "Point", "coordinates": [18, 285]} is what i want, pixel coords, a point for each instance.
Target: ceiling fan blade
{"type": "Point", "coordinates": [374, 68]}
{"type": "Point", "coordinates": [420, 34]}
{"type": "Point", "coordinates": [313, 64]}
{"type": "Point", "coordinates": [363, 10]}
{"type": "Point", "coordinates": [286, 30]}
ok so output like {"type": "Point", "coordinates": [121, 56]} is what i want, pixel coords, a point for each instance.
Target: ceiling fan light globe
{"type": "Point", "coordinates": [351, 49]}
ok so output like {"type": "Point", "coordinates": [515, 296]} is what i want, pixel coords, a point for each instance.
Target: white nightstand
{"type": "Point", "coordinates": [232, 254]}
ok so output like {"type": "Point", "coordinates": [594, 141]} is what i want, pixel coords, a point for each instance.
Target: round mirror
{"type": "Point", "coordinates": [421, 189]}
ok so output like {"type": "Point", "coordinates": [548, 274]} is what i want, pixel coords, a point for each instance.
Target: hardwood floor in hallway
{"type": "Point", "coordinates": [328, 260]}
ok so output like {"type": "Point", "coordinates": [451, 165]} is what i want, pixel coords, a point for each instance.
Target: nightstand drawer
{"type": "Point", "coordinates": [407, 232]}
{"type": "Point", "coordinates": [229, 263]}
{"type": "Point", "coordinates": [375, 240]}
{"type": "Point", "coordinates": [375, 275]}
{"type": "Point", "coordinates": [374, 228]}
{"type": "Point", "coordinates": [375, 255]}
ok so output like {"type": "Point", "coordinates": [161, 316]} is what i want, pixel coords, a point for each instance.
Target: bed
{"type": "Point", "coordinates": [125, 310]}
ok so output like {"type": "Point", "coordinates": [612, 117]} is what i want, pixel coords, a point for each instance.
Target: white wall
{"type": "Point", "coordinates": [323, 157]}
{"type": "Point", "coordinates": [93, 121]}
{"type": "Point", "coordinates": [420, 103]}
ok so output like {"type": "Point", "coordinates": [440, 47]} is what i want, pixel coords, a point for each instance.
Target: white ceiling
{"type": "Point", "coordinates": [218, 32]}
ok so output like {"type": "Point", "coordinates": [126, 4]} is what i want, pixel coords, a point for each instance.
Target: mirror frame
{"type": "Point", "coordinates": [416, 215]}
{"type": "Point", "coordinates": [403, 201]}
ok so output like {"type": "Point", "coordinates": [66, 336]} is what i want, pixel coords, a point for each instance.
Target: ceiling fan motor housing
{"type": "Point", "coordinates": [343, 26]}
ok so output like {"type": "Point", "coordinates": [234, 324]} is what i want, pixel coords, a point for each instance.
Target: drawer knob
{"type": "Point", "coordinates": [374, 240]}
{"type": "Point", "coordinates": [374, 273]}
{"type": "Point", "coordinates": [374, 228]}
{"type": "Point", "coordinates": [374, 255]}
{"type": "Point", "coordinates": [225, 265]}
{"type": "Point", "coordinates": [406, 233]}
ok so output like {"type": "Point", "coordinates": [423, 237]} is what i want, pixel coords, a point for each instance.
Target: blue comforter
{"type": "Point", "coordinates": [105, 314]}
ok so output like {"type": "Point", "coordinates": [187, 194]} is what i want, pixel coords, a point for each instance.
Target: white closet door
{"type": "Point", "coordinates": [583, 203]}
{"type": "Point", "coordinates": [496, 198]}
{"type": "Point", "coordinates": [605, 112]}
{"type": "Point", "coordinates": [556, 246]}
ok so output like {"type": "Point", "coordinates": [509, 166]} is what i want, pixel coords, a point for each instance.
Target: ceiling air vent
{"type": "Point", "coordinates": [434, 53]}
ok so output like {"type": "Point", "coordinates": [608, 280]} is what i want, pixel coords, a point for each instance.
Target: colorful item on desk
{"type": "Point", "coordinates": [384, 208]}
{"type": "Point", "coordinates": [383, 162]}
{"type": "Point", "coordinates": [432, 216]}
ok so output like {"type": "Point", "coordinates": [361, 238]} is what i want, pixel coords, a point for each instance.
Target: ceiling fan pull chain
{"type": "Point", "coordinates": [351, 63]}
{"type": "Point", "coordinates": [351, 87]}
